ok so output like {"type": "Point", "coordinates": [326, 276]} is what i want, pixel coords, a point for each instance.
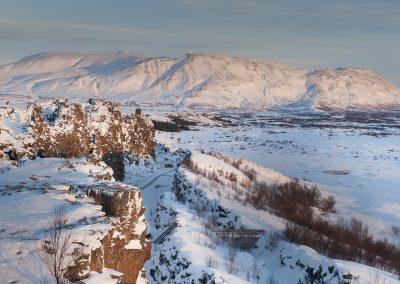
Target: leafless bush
{"type": "Point", "coordinates": [217, 176]}
{"type": "Point", "coordinates": [375, 278]}
{"type": "Point", "coordinates": [198, 239]}
{"type": "Point", "coordinates": [237, 196]}
{"type": "Point", "coordinates": [349, 240]}
{"type": "Point", "coordinates": [200, 209]}
{"type": "Point", "coordinates": [291, 200]}
{"type": "Point", "coordinates": [271, 279]}
{"type": "Point", "coordinates": [256, 270]}
{"type": "Point", "coordinates": [230, 261]}
{"type": "Point", "coordinates": [211, 262]}
{"type": "Point", "coordinates": [273, 240]}
{"type": "Point", "coordinates": [55, 244]}
{"type": "Point", "coordinates": [250, 173]}
{"type": "Point", "coordinates": [396, 231]}
{"type": "Point", "coordinates": [189, 164]}
{"type": "Point", "coordinates": [207, 228]}
{"type": "Point", "coordinates": [328, 204]}
{"type": "Point", "coordinates": [245, 184]}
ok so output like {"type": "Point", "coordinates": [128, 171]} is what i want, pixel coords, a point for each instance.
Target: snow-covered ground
{"type": "Point", "coordinates": [29, 193]}
{"type": "Point", "coordinates": [276, 149]}
{"type": "Point", "coordinates": [370, 191]}
{"type": "Point", "coordinates": [193, 251]}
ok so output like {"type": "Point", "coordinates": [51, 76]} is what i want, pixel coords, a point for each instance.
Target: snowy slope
{"type": "Point", "coordinates": [193, 252]}
{"type": "Point", "coordinates": [206, 80]}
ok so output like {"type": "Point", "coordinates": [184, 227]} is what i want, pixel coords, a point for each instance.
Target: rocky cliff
{"type": "Point", "coordinates": [59, 128]}
{"type": "Point", "coordinates": [123, 248]}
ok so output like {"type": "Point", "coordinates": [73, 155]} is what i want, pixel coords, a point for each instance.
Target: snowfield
{"type": "Point", "coordinates": [29, 193]}
{"type": "Point", "coordinates": [194, 252]}
{"type": "Point", "coordinates": [370, 152]}
{"type": "Point", "coordinates": [194, 80]}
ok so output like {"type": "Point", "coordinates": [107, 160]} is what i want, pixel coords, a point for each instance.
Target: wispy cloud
{"type": "Point", "coordinates": [82, 26]}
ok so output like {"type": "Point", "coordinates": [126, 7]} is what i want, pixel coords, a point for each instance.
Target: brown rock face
{"type": "Point", "coordinates": [64, 129]}
{"type": "Point", "coordinates": [124, 247]}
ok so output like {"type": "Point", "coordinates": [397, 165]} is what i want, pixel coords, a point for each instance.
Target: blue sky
{"type": "Point", "coordinates": [306, 33]}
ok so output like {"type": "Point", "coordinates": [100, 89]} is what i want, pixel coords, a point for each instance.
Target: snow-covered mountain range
{"type": "Point", "coordinates": [205, 80]}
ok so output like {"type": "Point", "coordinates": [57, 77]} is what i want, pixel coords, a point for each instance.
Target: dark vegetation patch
{"type": "Point", "coordinates": [166, 126]}
{"type": "Point", "coordinates": [176, 124]}
{"type": "Point", "coordinates": [181, 121]}
{"type": "Point", "coordinates": [376, 123]}
{"type": "Point", "coordinates": [349, 240]}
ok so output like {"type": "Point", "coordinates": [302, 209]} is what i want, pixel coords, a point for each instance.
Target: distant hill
{"type": "Point", "coordinates": [205, 80]}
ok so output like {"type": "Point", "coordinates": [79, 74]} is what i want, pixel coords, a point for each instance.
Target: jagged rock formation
{"type": "Point", "coordinates": [124, 247]}
{"type": "Point", "coordinates": [206, 80]}
{"type": "Point", "coordinates": [59, 128]}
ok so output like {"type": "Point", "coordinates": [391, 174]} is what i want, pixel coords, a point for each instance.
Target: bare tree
{"type": "Point", "coordinates": [55, 244]}
{"type": "Point", "coordinates": [230, 260]}
{"type": "Point", "coordinates": [375, 278]}
{"type": "Point", "coordinates": [255, 270]}
{"type": "Point", "coordinates": [210, 262]}
{"type": "Point", "coordinates": [271, 279]}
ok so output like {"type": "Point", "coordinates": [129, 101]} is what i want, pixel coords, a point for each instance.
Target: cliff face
{"type": "Point", "coordinates": [112, 242]}
{"type": "Point", "coordinates": [59, 128]}
{"type": "Point", "coordinates": [124, 247]}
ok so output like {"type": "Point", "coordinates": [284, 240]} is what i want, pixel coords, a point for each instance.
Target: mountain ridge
{"type": "Point", "coordinates": [195, 80]}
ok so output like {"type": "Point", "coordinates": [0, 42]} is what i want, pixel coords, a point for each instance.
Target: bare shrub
{"type": "Point", "coordinates": [189, 164]}
{"type": "Point", "coordinates": [273, 240]}
{"type": "Point", "coordinates": [375, 278]}
{"type": "Point", "coordinates": [349, 240]}
{"type": "Point", "coordinates": [211, 262]}
{"type": "Point", "coordinates": [396, 231]}
{"type": "Point", "coordinates": [291, 200]}
{"type": "Point", "coordinates": [250, 173]}
{"type": "Point", "coordinates": [237, 196]}
{"type": "Point", "coordinates": [230, 261]}
{"type": "Point", "coordinates": [207, 228]}
{"type": "Point", "coordinates": [328, 204]}
{"type": "Point", "coordinates": [245, 184]}
{"type": "Point", "coordinates": [231, 177]}
{"type": "Point", "coordinates": [200, 209]}
{"type": "Point", "coordinates": [256, 270]}
{"type": "Point", "coordinates": [55, 244]}
{"type": "Point", "coordinates": [271, 279]}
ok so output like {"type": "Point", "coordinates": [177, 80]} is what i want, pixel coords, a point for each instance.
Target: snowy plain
{"type": "Point", "coordinates": [370, 191]}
